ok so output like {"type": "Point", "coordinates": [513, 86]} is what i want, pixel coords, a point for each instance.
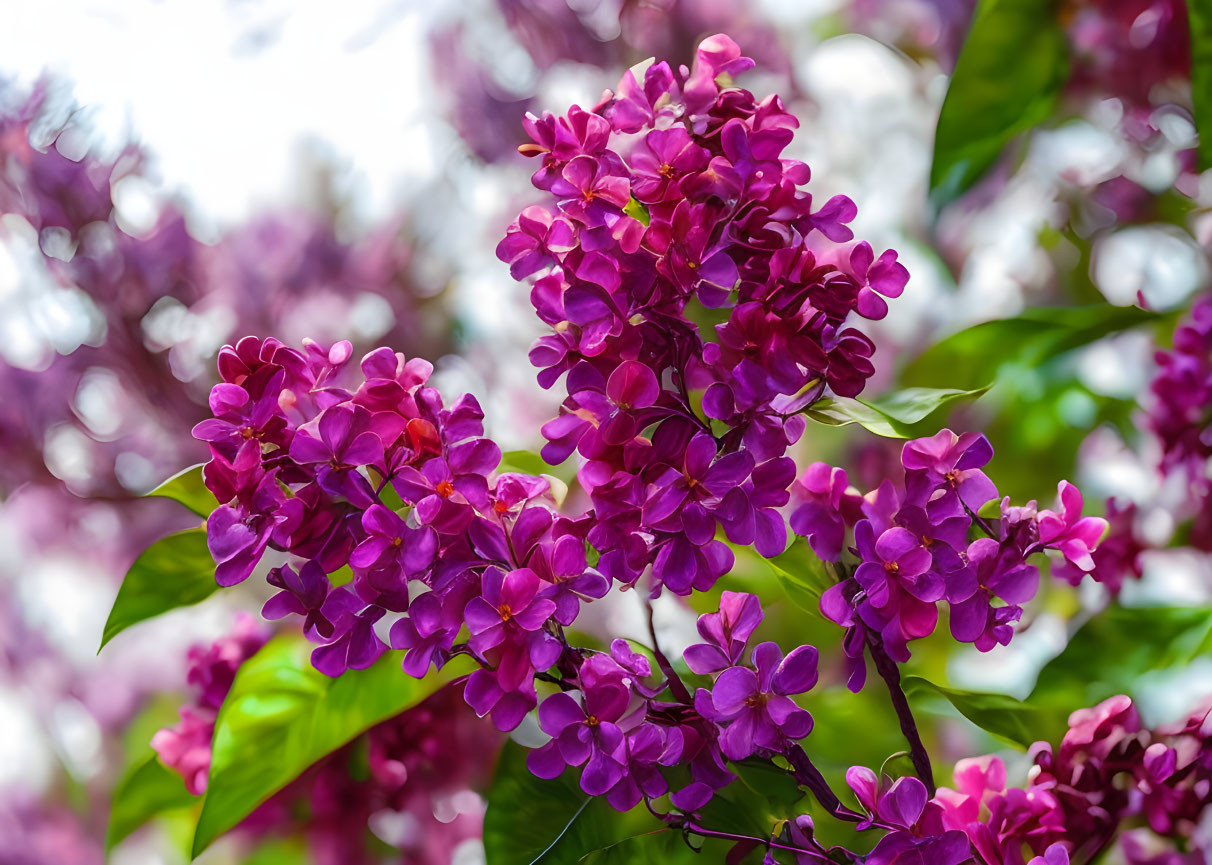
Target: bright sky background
{"type": "Point", "coordinates": [223, 93]}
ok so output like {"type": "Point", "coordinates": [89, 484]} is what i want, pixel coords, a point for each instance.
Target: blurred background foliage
{"type": "Point", "coordinates": [172, 178]}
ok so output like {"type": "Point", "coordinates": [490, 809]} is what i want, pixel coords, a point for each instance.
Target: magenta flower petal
{"type": "Point", "coordinates": [734, 686]}
{"type": "Point", "coordinates": [797, 673]}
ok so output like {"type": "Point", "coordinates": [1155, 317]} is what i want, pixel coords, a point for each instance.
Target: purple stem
{"type": "Point", "coordinates": [891, 674]}
{"type": "Point", "coordinates": [980, 521]}
{"type": "Point", "coordinates": [807, 774]}
{"type": "Point", "coordinates": [676, 685]}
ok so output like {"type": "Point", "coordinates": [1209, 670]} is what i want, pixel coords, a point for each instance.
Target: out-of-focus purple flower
{"type": "Point", "coordinates": [185, 747]}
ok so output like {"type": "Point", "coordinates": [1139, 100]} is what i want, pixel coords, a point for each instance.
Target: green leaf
{"type": "Point", "coordinates": [1110, 653]}
{"type": "Point", "coordinates": [798, 571]}
{"type": "Point", "coordinates": [901, 414]}
{"type": "Point", "coordinates": [531, 821]}
{"type": "Point", "coordinates": [146, 790]}
{"type": "Point", "coordinates": [187, 488]}
{"type": "Point", "coordinates": [176, 571]}
{"type": "Point", "coordinates": [1008, 719]}
{"type": "Point", "coordinates": [1199, 16]}
{"type": "Point", "coordinates": [663, 845]}
{"type": "Point", "coordinates": [972, 357]}
{"type": "Point", "coordinates": [530, 463]}
{"type": "Point", "coordinates": [636, 209]}
{"type": "Point", "coordinates": [802, 574]}
{"type": "Point", "coordinates": [281, 716]}
{"type": "Point", "coordinates": [772, 785]}
{"type": "Point", "coordinates": [1007, 78]}
{"type": "Point", "coordinates": [527, 462]}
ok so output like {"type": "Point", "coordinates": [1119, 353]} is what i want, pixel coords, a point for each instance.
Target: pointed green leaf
{"type": "Point", "coordinates": [187, 488]}
{"type": "Point", "coordinates": [636, 209]}
{"type": "Point", "coordinates": [1006, 81]}
{"type": "Point", "coordinates": [798, 571]}
{"type": "Point", "coordinates": [176, 571]}
{"type": "Point", "coordinates": [901, 414]}
{"type": "Point", "coordinates": [282, 715]}
{"type": "Point", "coordinates": [531, 463]}
{"type": "Point", "coordinates": [802, 574]}
{"type": "Point", "coordinates": [1002, 716]}
{"type": "Point", "coordinates": [1199, 16]}
{"type": "Point", "coordinates": [146, 790]}
{"type": "Point", "coordinates": [972, 357]}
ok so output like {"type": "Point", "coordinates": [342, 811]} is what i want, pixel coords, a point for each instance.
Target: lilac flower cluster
{"type": "Point", "coordinates": [913, 547]}
{"type": "Point", "coordinates": [485, 108]}
{"type": "Point", "coordinates": [1180, 417]}
{"type": "Point", "coordinates": [624, 733]}
{"type": "Point", "coordinates": [671, 207]}
{"type": "Point", "coordinates": [1107, 770]}
{"type": "Point", "coordinates": [309, 467]}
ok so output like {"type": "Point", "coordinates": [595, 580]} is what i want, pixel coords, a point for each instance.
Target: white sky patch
{"type": "Point", "coordinates": [222, 94]}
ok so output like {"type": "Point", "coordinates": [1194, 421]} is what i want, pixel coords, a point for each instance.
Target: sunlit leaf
{"type": "Point", "coordinates": [281, 716]}
{"type": "Point", "coordinates": [637, 210]}
{"type": "Point", "coordinates": [1006, 81]}
{"type": "Point", "coordinates": [798, 571]}
{"type": "Point", "coordinates": [146, 790]}
{"type": "Point", "coordinates": [530, 463]}
{"type": "Point", "coordinates": [907, 413]}
{"type": "Point", "coordinates": [1199, 16]}
{"type": "Point", "coordinates": [972, 357]}
{"type": "Point", "coordinates": [175, 571]}
{"type": "Point", "coordinates": [187, 488]}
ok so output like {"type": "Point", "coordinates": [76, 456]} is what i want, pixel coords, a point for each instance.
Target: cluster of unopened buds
{"type": "Point", "coordinates": [698, 305]}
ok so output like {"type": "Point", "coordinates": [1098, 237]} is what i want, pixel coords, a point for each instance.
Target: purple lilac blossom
{"type": "Point", "coordinates": [913, 547]}
{"type": "Point", "coordinates": [669, 195]}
